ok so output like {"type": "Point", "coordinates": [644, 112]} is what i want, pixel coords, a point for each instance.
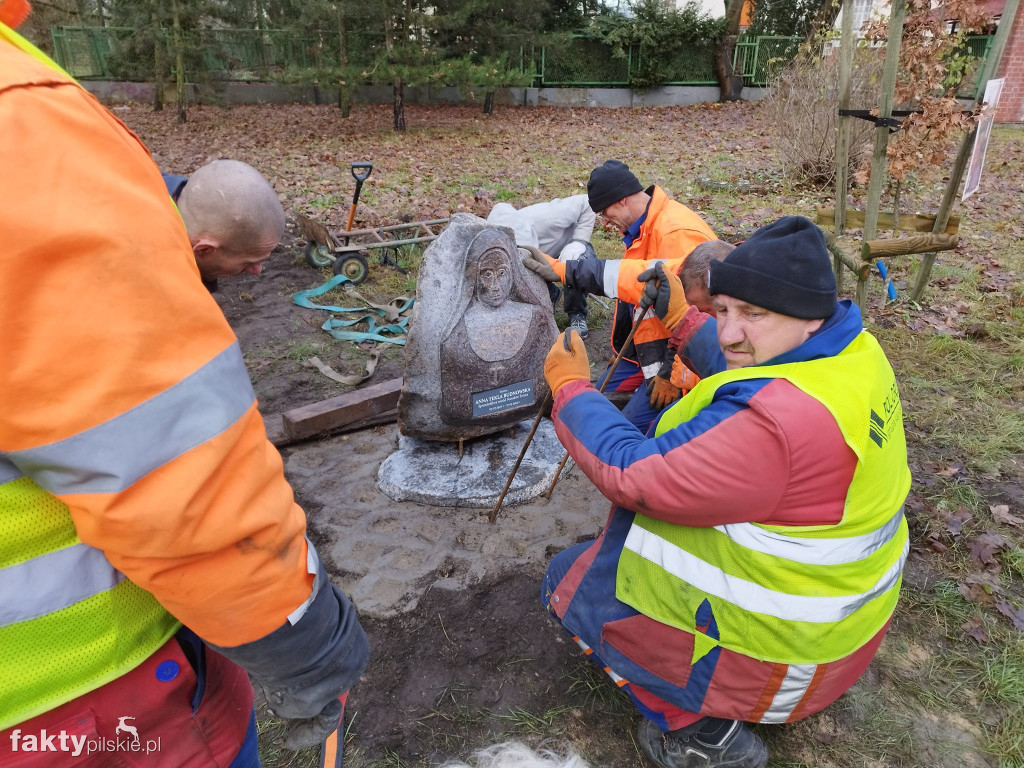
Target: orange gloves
{"type": "Point", "coordinates": [682, 376]}
{"type": "Point", "coordinates": [663, 393]}
{"type": "Point", "coordinates": [566, 362]}
{"type": "Point", "coordinates": [550, 269]}
{"type": "Point", "coordinates": [671, 383]}
{"type": "Point", "coordinates": [664, 291]}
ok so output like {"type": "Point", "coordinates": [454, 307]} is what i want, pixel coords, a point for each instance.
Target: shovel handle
{"type": "Point", "coordinates": [361, 171]}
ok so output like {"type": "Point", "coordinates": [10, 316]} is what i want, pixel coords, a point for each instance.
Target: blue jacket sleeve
{"type": "Point", "coordinates": [174, 184]}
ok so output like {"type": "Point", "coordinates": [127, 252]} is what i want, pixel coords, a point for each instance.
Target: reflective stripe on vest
{"type": "Point", "coordinates": [797, 595]}
{"type": "Point", "coordinates": [113, 455]}
{"type": "Point", "coordinates": [791, 691]}
{"type": "Point", "coordinates": [69, 621]}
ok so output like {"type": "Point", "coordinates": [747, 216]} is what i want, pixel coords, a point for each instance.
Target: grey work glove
{"type": "Point", "coordinates": [664, 291]}
{"type": "Point", "coordinates": [304, 667]}
{"type": "Point", "coordinates": [537, 261]}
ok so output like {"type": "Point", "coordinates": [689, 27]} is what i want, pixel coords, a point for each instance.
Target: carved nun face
{"type": "Point", "coordinates": [494, 279]}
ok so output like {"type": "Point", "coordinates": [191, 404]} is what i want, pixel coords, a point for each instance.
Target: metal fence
{"type": "Point", "coordinates": [248, 54]}
{"type": "Point", "coordinates": [583, 61]}
{"type": "Point", "coordinates": [126, 53]}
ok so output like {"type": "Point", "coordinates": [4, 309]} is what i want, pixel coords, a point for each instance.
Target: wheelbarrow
{"type": "Point", "coordinates": [336, 250]}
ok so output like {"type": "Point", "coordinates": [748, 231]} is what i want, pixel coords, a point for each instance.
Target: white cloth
{"type": "Point", "coordinates": [574, 250]}
{"type": "Point", "coordinates": [550, 226]}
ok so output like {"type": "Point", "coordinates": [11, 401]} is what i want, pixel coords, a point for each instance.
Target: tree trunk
{"type": "Point", "coordinates": [261, 43]}
{"type": "Point", "coordinates": [823, 20]}
{"type": "Point", "coordinates": [179, 62]}
{"type": "Point", "coordinates": [489, 103]}
{"type": "Point", "coordinates": [730, 85]}
{"type": "Point", "coordinates": [344, 99]}
{"type": "Point", "coordinates": [398, 89]}
{"type": "Point", "coordinates": [101, 11]}
{"type": "Point", "coordinates": [159, 57]}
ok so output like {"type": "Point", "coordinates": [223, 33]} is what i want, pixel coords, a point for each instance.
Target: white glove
{"type": "Point", "coordinates": [572, 252]}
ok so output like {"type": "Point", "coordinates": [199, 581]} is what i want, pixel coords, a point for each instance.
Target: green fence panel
{"type": "Point", "coordinates": [693, 66]}
{"type": "Point", "coordinates": [260, 55]}
{"type": "Point", "coordinates": [580, 62]}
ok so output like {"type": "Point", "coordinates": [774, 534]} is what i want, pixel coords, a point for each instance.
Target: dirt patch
{"type": "Point", "coordinates": [467, 669]}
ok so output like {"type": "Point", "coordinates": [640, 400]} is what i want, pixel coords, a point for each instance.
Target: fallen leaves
{"type": "Point", "coordinates": [979, 588]}
{"type": "Point", "coordinates": [985, 547]}
{"type": "Point", "coordinates": [1001, 514]}
{"type": "Point", "coordinates": [1010, 611]}
{"type": "Point", "coordinates": [974, 629]}
{"type": "Point", "coordinates": [955, 521]}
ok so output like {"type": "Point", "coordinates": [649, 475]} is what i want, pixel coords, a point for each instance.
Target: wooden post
{"type": "Point", "coordinates": [879, 159]}
{"type": "Point", "coordinates": [964, 153]}
{"type": "Point", "coordinates": [843, 135]}
{"type": "Point", "coordinates": [872, 250]}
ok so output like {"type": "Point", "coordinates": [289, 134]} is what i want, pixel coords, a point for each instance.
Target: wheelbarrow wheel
{"type": "Point", "coordinates": [353, 266]}
{"type": "Point", "coordinates": [318, 256]}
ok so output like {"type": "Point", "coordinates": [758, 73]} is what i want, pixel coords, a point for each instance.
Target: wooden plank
{"type": "Point", "coordinates": [349, 408]}
{"type": "Point", "coordinates": [280, 439]}
{"type": "Point", "coordinates": [909, 222]}
{"type": "Point", "coordinates": [900, 246]}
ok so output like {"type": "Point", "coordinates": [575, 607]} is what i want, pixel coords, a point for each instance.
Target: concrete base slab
{"type": "Point", "coordinates": [431, 472]}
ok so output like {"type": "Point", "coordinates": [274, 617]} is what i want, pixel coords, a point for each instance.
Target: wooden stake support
{"type": "Point", "coordinates": [871, 250]}
{"type": "Point", "coordinates": [879, 159]}
{"type": "Point", "coordinates": [909, 222]}
{"type": "Point", "coordinates": [843, 135]}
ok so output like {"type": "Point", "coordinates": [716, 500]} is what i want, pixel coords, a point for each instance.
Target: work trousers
{"type": "Point", "coordinates": [667, 716]}
{"type": "Point", "coordinates": [185, 706]}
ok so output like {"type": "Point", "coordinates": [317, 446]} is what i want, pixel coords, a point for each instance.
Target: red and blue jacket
{"type": "Point", "coordinates": [762, 451]}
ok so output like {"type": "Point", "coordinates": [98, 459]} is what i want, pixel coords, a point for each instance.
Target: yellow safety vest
{"type": "Point", "coordinates": [69, 621]}
{"type": "Point", "coordinates": [790, 594]}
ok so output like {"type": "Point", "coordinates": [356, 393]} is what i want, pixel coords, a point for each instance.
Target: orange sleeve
{"type": "Point", "coordinates": [124, 390]}
{"type": "Point", "coordinates": [629, 288]}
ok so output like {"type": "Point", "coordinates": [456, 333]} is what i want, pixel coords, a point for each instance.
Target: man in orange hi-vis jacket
{"type": "Point", "coordinates": [138, 491]}
{"type": "Point", "coordinates": [654, 228]}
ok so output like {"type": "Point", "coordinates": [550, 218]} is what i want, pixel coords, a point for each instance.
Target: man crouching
{"type": "Point", "coordinates": [751, 565]}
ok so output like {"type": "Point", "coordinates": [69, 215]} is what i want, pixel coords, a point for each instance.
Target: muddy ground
{"type": "Point", "coordinates": [463, 653]}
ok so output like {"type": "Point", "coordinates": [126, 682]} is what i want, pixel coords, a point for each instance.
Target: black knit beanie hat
{"type": "Point", "coordinates": [784, 267]}
{"type": "Point", "coordinates": [609, 183]}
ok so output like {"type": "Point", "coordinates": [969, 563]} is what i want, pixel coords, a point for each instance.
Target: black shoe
{"type": "Point", "coordinates": [579, 324]}
{"type": "Point", "coordinates": [708, 743]}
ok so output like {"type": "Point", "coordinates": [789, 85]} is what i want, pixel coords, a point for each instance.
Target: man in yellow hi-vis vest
{"type": "Point", "coordinates": [138, 491]}
{"type": "Point", "coordinates": [752, 561]}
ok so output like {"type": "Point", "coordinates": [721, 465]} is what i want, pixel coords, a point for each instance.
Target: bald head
{"type": "Point", "coordinates": [694, 274]}
{"type": "Point", "coordinates": [233, 217]}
